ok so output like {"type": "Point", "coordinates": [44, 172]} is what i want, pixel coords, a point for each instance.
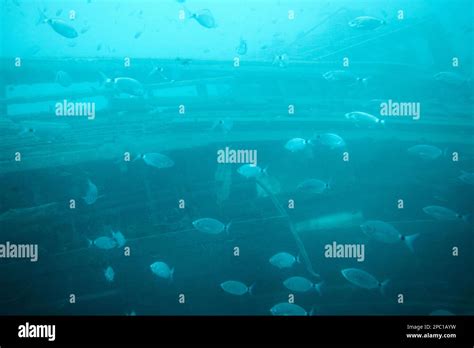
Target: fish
{"type": "Point", "coordinates": [467, 177]}
{"type": "Point", "coordinates": [91, 194]}
{"type": "Point", "coordinates": [103, 242]}
{"type": "Point", "coordinates": [301, 284]}
{"type": "Point", "coordinates": [364, 280]}
{"type": "Point", "coordinates": [162, 270]}
{"type": "Point", "coordinates": [331, 140]}
{"type": "Point", "coordinates": [289, 309]}
{"type": "Point", "coordinates": [314, 186]}
{"type": "Point", "coordinates": [237, 288]}
{"type": "Point", "coordinates": [443, 214]}
{"type": "Point", "coordinates": [251, 171]}
{"type": "Point", "coordinates": [119, 238]}
{"type": "Point", "coordinates": [386, 233]}
{"type": "Point", "coordinates": [242, 47]}
{"type": "Point", "coordinates": [157, 160]}
{"type": "Point", "coordinates": [63, 78]}
{"type": "Point", "coordinates": [364, 118]}
{"type": "Point", "coordinates": [426, 152]}
{"type": "Point", "coordinates": [211, 226]}
{"type": "Point", "coordinates": [109, 274]}
{"type": "Point", "coordinates": [58, 25]}
{"type": "Point", "coordinates": [284, 260]}
{"type": "Point", "coordinates": [204, 17]}
{"type": "Point", "coordinates": [366, 23]}
{"type": "Point", "coordinates": [297, 144]}
{"type": "Point", "coordinates": [343, 77]}
{"type": "Point", "coordinates": [126, 85]}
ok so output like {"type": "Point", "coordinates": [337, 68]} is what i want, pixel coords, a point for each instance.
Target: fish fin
{"type": "Point", "coordinates": [298, 258]}
{"type": "Point", "coordinates": [171, 274]}
{"type": "Point", "coordinates": [250, 289]}
{"type": "Point", "coordinates": [265, 170]}
{"type": "Point", "coordinates": [89, 241]}
{"type": "Point", "coordinates": [383, 286]}
{"type": "Point", "coordinates": [312, 311]}
{"type": "Point", "coordinates": [410, 240]}
{"type": "Point", "coordinates": [318, 287]}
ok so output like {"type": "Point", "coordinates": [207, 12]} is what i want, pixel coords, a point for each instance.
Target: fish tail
{"type": "Point", "coordinates": [227, 227]}
{"type": "Point", "coordinates": [384, 286]}
{"type": "Point", "coordinates": [41, 17]}
{"type": "Point", "coordinates": [409, 240]}
{"type": "Point", "coordinates": [250, 289]}
{"type": "Point", "coordinates": [298, 258]}
{"type": "Point", "coordinates": [89, 242]}
{"type": "Point", "coordinates": [318, 287]}
{"type": "Point", "coordinates": [104, 79]}
{"type": "Point", "coordinates": [188, 13]}
{"type": "Point", "coordinates": [171, 274]}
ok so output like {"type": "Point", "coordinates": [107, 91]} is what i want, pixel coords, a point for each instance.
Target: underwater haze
{"type": "Point", "coordinates": [265, 157]}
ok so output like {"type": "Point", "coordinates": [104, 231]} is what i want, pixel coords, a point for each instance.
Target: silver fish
{"type": "Point", "coordinates": [301, 284]}
{"type": "Point", "coordinates": [251, 171]}
{"type": "Point", "coordinates": [314, 186]}
{"type": "Point", "coordinates": [443, 213]}
{"type": "Point", "coordinates": [330, 140]}
{"type": "Point", "coordinates": [91, 194]}
{"type": "Point", "coordinates": [237, 288]}
{"type": "Point", "coordinates": [157, 160]}
{"type": "Point", "coordinates": [204, 17]}
{"type": "Point", "coordinates": [363, 279]}
{"type": "Point", "coordinates": [119, 238]}
{"type": "Point", "coordinates": [103, 242]}
{"type": "Point", "coordinates": [109, 274]}
{"type": "Point", "coordinates": [162, 270]}
{"type": "Point", "coordinates": [58, 25]}
{"type": "Point", "coordinates": [426, 152]}
{"type": "Point", "coordinates": [364, 118]}
{"type": "Point", "coordinates": [366, 22]}
{"type": "Point", "coordinates": [386, 233]}
{"type": "Point", "coordinates": [210, 226]}
{"type": "Point", "coordinates": [284, 260]}
{"type": "Point", "coordinates": [289, 309]}
{"type": "Point", "coordinates": [297, 144]}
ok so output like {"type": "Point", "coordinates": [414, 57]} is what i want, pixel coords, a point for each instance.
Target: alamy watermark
{"type": "Point", "coordinates": [68, 108]}
{"type": "Point", "coordinates": [19, 251]}
{"type": "Point", "coordinates": [406, 109]}
{"type": "Point", "coordinates": [345, 251]}
{"type": "Point", "coordinates": [229, 155]}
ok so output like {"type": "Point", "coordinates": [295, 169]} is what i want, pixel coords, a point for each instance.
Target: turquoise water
{"type": "Point", "coordinates": [93, 90]}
